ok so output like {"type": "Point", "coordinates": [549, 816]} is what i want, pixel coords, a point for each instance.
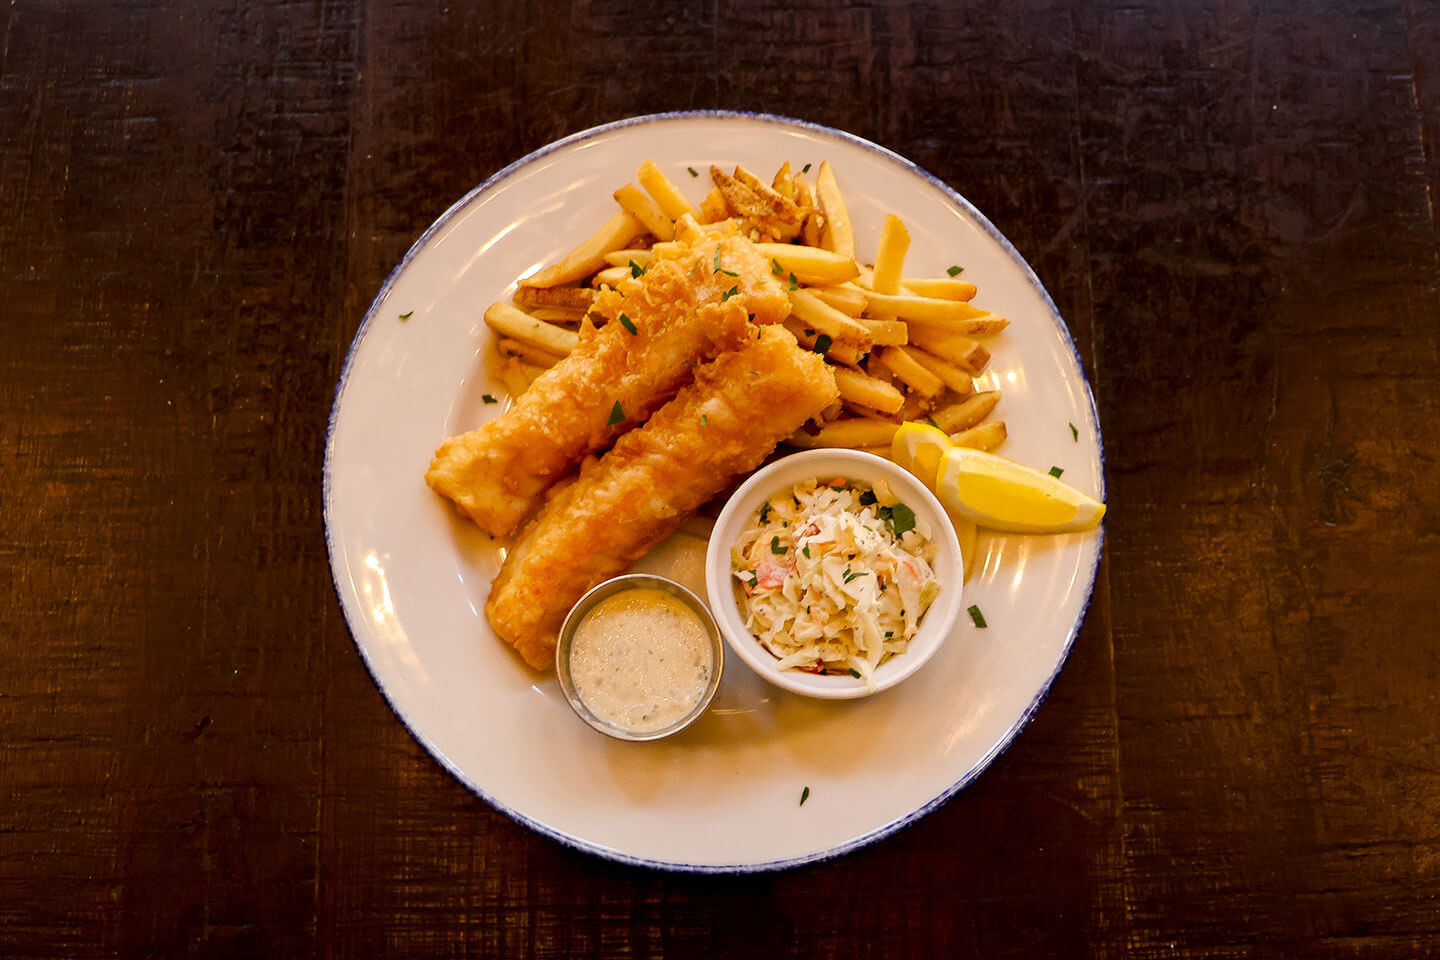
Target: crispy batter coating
{"type": "Point", "coordinates": [682, 311]}
{"type": "Point", "coordinates": [725, 423]}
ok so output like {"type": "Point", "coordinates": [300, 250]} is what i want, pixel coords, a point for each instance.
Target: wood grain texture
{"type": "Point", "coordinates": [1233, 207]}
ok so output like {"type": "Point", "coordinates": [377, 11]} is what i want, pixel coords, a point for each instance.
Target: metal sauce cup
{"type": "Point", "coordinates": [608, 589]}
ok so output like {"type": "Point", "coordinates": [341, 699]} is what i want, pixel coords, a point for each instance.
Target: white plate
{"type": "Point", "coordinates": [724, 795]}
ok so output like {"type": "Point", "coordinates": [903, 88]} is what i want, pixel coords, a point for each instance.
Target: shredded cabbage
{"type": "Point", "coordinates": [834, 576]}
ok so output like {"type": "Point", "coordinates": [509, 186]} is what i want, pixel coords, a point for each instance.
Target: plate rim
{"type": "Point", "coordinates": [493, 182]}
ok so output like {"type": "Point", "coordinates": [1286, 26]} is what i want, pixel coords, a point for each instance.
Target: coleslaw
{"type": "Point", "coordinates": [833, 576]}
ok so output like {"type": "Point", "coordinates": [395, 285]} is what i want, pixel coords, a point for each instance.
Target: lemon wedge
{"type": "Point", "coordinates": [1000, 494]}
{"type": "Point", "coordinates": [918, 448]}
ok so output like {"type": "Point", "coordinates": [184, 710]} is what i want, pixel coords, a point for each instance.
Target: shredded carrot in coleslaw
{"type": "Point", "coordinates": [833, 576]}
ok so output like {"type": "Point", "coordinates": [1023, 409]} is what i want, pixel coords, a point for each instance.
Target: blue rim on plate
{"type": "Point", "coordinates": [495, 182]}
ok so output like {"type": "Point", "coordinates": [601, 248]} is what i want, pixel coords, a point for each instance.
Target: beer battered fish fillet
{"type": "Point", "coordinates": [683, 311]}
{"type": "Point", "coordinates": [725, 423]}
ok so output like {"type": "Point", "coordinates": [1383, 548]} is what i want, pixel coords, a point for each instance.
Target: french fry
{"type": "Point", "coordinates": [942, 288]}
{"type": "Point", "coordinates": [571, 298]}
{"type": "Point", "coordinates": [712, 208]}
{"type": "Point", "coordinates": [590, 255]}
{"type": "Point", "coordinates": [889, 333]}
{"type": "Point", "coordinates": [967, 353]}
{"type": "Point", "coordinates": [816, 313]}
{"type": "Point", "coordinates": [858, 432]}
{"type": "Point", "coordinates": [784, 182]}
{"type": "Point", "coordinates": [867, 391]}
{"type": "Point", "coordinates": [622, 258]}
{"type": "Point", "coordinates": [516, 324]}
{"type": "Point", "coordinates": [929, 309]}
{"type": "Point", "coordinates": [564, 315]}
{"type": "Point", "coordinates": [903, 364]}
{"type": "Point", "coordinates": [610, 277]}
{"type": "Point", "coordinates": [953, 377]}
{"type": "Point", "coordinates": [890, 255]}
{"type": "Point", "coordinates": [837, 233]}
{"type": "Point", "coordinates": [810, 265]}
{"type": "Point", "coordinates": [845, 297]}
{"type": "Point", "coordinates": [523, 351]}
{"type": "Point", "coordinates": [966, 413]}
{"type": "Point", "coordinates": [985, 436]}
{"type": "Point", "coordinates": [666, 251]}
{"type": "Point", "coordinates": [809, 338]}
{"type": "Point", "coordinates": [639, 205]}
{"type": "Point", "coordinates": [666, 194]}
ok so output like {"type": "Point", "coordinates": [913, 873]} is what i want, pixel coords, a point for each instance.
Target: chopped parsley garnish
{"type": "Point", "coordinates": [764, 511]}
{"type": "Point", "coordinates": [688, 363]}
{"type": "Point", "coordinates": [855, 673]}
{"type": "Point", "coordinates": [931, 420]}
{"type": "Point", "coordinates": [806, 551]}
{"type": "Point", "coordinates": [889, 634]}
{"type": "Point", "coordinates": [804, 795]}
{"type": "Point", "coordinates": [628, 324]}
{"type": "Point", "coordinates": [704, 419]}
{"type": "Point", "coordinates": [776, 548]}
{"type": "Point", "coordinates": [617, 415]}
{"type": "Point", "coordinates": [954, 271]}
{"type": "Point", "coordinates": [728, 273]}
{"type": "Point", "coordinates": [1074, 433]}
{"type": "Point", "coordinates": [695, 269]}
{"type": "Point", "coordinates": [855, 576]}
{"type": "Point", "coordinates": [693, 171]}
{"type": "Point", "coordinates": [717, 258]}
{"type": "Point", "coordinates": [775, 267]}
{"type": "Point", "coordinates": [1056, 471]}
{"type": "Point", "coordinates": [407, 316]}
{"type": "Point", "coordinates": [733, 291]}
{"type": "Point", "coordinates": [977, 616]}
{"type": "Point", "coordinates": [805, 169]}
{"type": "Point", "coordinates": [867, 497]}
{"type": "Point", "coordinates": [794, 283]}
{"type": "Point", "coordinates": [754, 579]}
{"type": "Point", "coordinates": [899, 518]}
{"type": "Point", "coordinates": [489, 398]}
{"type": "Point", "coordinates": [635, 269]}
{"type": "Point", "coordinates": [823, 342]}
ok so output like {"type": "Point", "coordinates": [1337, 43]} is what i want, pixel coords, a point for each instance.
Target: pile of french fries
{"type": "Point", "coordinates": [902, 348]}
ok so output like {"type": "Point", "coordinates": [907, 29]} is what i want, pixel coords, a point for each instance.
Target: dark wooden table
{"type": "Point", "coordinates": [1233, 206]}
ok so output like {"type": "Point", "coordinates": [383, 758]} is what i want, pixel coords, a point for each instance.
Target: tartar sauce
{"type": "Point", "coordinates": [641, 659]}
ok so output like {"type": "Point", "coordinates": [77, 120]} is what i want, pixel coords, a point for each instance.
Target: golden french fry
{"type": "Point", "coordinates": [888, 333]}
{"type": "Point", "coordinates": [666, 251]}
{"type": "Point", "coordinates": [666, 194]}
{"type": "Point", "coordinates": [590, 255]}
{"type": "Point", "coordinates": [845, 297]}
{"type": "Point", "coordinates": [902, 363]}
{"type": "Point", "coordinates": [570, 298]}
{"type": "Point", "coordinates": [837, 233]}
{"type": "Point", "coordinates": [928, 309]}
{"type": "Point", "coordinates": [953, 377]}
{"type": "Point", "coordinates": [890, 255]}
{"type": "Point", "coordinates": [568, 316]}
{"type": "Point", "coordinates": [810, 265]}
{"type": "Point", "coordinates": [809, 338]}
{"type": "Point", "coordinates": [825, 319]}
{"type": "Point", "coordinates": [768, 211]}
{"type": "Point", "coordinates": [857, 432]}
{"type": "Point", "coordinates": [986, 436]}
{"type": "Point", "coordinates": [867, 391]}
{"type": "Point", "coordinates": [639, 205]}
{"type": "Point", "coordinates": [516, 324]}
{"type": "Point", "coordinates": [784, 182]}
{"type": "Point", "coordinates": [515, 375]}
{"type": "Point", "coordinates": [610, 277]}
{"type": "Point", "coordinates": [712, 208]}
{"type": "Point", "coordinates": [534, 356]}
{"type": "Point", "coordinates": [966, 413]}
{"type": "Point", "coordinates": [969, 354]}
{"type": "Point", "coordinates": [942, 288]}
{"type": "Point", "coordinates": [622, 258]}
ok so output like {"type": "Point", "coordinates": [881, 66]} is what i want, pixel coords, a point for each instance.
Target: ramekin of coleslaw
{"type": "Point", "coordinates": [834, 573]}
